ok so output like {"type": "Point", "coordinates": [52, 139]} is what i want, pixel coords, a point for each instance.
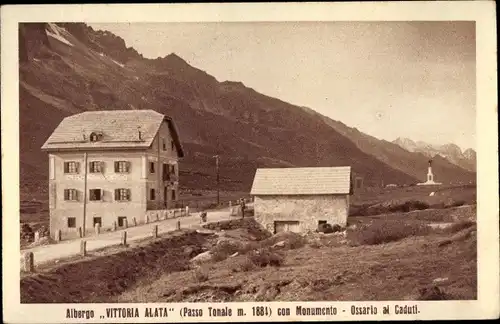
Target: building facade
{"type": "Point", "coordinates": [300, 199]}
{"type": "Point", "coordinates": [111, 166]}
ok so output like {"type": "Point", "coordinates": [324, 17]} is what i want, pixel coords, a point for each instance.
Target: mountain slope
{"type": "Point", "coordinates": [69, 68]}
{"type": "Point", "coordinates": [451, 152]}
{"type": "Point", "coordinates": [409, 162]}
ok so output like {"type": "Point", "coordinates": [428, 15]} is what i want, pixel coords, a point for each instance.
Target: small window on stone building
{"type": "Point", "coordinates": [96, 166]}
{"type": "Point", "coordinates": [174, 194]}
{"type": "Point", "coordinates": [122, 166]}
{"type": "Point", "coordinates": [71, 167]}
{"type": "Point", "coordinates": [172, 145]}
{"type": "Point", "coordinates": [152, 194]}
{"type": "Point", "coordinates": [164, 144]}
{"type": "Point", "coordinates": [70, 195]}
{"type": "Point", "coordinates": [122, 194]}
{"type": "Point", "coordinates": [94, 137]}
{"type": "Point", "coordinates": [95, 194]}
{"type": "Point", "coordinates": [71, 222]}
{"type": "Point", "coordinates": [151, 167]}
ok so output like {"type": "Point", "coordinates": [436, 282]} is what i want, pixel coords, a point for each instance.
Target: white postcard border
{"type": "Point", "coordinates": [483, 12]}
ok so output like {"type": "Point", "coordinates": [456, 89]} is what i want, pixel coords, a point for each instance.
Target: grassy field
{"type": "Point", "coordinates": [378, 258]}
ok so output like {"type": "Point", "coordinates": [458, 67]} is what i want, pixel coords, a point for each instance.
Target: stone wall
{"type": "Point", "coordinates": [306, 209]}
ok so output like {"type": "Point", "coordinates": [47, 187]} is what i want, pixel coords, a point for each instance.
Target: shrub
{"type": "Point", "coordinates": [432, 293]}
{"type": "Point", "coordinates": [224, 249]}
{"type": "Point", "coordinates": [457, 227]}
{"type": "Point", "coordinates": [243, 265]}
{"type": "Point", "coordinates": [325, 228]}
{"type": "Point", "coordinates": [384, 232]}
{"type": "Point", "coordinates": [337, 228]}
{"type": "Point", "coordinates": [265, 257]}
{"type": "Point", "coordinates": [201, 274]}
{"type": "Point", "coordinates": [457, 203]}
{"type": "Point", "coordinates": [315, 244]}
{"type": "Point", "coordinates": [292, 240]}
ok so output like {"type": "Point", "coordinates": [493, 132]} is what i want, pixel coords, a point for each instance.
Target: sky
{"type": "Point", "coordinates": [387, 79]}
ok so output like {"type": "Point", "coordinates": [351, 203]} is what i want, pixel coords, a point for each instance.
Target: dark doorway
{"type": "Point", "coordinates": [121, 221]}
{"type": "Point", "coordinates": [98, 220]}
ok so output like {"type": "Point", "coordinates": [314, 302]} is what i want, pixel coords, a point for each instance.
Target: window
{"type": "Point", "coordinates": [95, 194]}
{"type": "Point", "coordinates": [172, 144]}
{"type": "Point", "coordinates": [121, 221]}
{"type": "Point", "coordinates": [172, 168]}
{"type": "Point", "coordinates": [94, 137]}
{"type": "Point", "coordinates": [71, 222]}
{"type": "Point", "coordinates": [173, 194]}
{"type": "Point", "coordinates": [164, 144]}
{"type": "Point", "coordinates": [98, 220]}
{"type": "Point", "coordinates": [122, 194]}
{"type": "Point", "coordinates": [122, 166]}
{"type": "Point", "coordinates": [151, 167]}
{"type": "Point", "coordinates": [96, 166]}
{"type": "Point", "coordinates": [71, 167]}
{"type": "Point", "coordinates": [70, 195]}
{"type": "Point", "coordinates": [152, 194]}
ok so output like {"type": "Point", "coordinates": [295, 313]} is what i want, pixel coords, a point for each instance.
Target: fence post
{"type": "Point", "coordinates": [124, 238]}
{"type": "Point", "coordinates": [146, 219]}
{"type": "Point", "coordinates": [155, 231]}
{"type": "Point", "coordinates": [134, 221]}
{"type": "Point", "coordinates": [37, 236]}
{"type": "Point", "coordinates": [83, 248]}
{"type": "Point", "coordinates": [58, 236]}
{"type": "Point", "coordinates": [29, 262]}
{"type": "Point", "coordinates": [178, 225]}
{"type": "Point", "coordinates": [97, 228]}
{"type": "Point", "coordinates": [80, 233]}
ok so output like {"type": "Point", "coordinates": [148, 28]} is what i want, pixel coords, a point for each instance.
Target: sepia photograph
{"type": "Point", "coordinates": [218, 162]}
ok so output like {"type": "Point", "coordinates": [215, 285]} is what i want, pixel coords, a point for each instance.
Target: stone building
{"type": "Point", "coordinates": [111, 166]}
{"type": "Point", "coordinates": [299, 199]}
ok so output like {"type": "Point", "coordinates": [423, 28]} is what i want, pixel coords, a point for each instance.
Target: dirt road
{"type": "Point", "coordinates": [52, 252]}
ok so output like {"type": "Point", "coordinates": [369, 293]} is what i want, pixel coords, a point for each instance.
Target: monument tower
{"type": "Point", "coordinates": [430, 177]}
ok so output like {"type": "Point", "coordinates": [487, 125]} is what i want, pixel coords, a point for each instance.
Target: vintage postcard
{"type": "Point", "coordinates": [249, 162]}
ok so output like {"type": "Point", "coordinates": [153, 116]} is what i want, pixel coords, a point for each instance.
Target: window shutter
{"type": "Point", "coordinates": [128, 194]}
{"type": "Point", "coordinates": [77, 195]}
{"type": "Point", "coordinates": [101, 165]}
{"type": "Point", "coordinates": [77, 167]}
{"type": "Point", "coordinates": [117, 194]}
{"type": "Point", "coordinates": [128, 166]}
{"type": "Point", "coordinates": [66, 167]}
{"type": "Point", "coordinates": [116, 166]}
{"type": "Point", "coordinates": [66, 194]}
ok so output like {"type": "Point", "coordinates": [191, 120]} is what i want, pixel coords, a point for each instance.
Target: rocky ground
{"type": "Point", "coordinates": [376, 258]}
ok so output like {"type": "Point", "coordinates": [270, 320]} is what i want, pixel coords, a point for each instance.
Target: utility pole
{"type": "Point", "coordinates": [84, 192]}
{"type": "Point", "coordinates": [217, 168]}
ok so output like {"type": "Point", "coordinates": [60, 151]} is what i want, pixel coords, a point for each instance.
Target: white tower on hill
{"type": "Point", "coordinates": [430, 177]}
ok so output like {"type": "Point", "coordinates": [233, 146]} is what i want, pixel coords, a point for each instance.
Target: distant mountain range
{"type": "Point", "coordinates": [451, 152]}
{"type": "Point", "coordinates": [67, 68]}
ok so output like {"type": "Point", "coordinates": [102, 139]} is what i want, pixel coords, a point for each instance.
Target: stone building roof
{"type": "Point", "coordinates": [114, 128]}
{"type": "Point", "coordinates": [302, 181]}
